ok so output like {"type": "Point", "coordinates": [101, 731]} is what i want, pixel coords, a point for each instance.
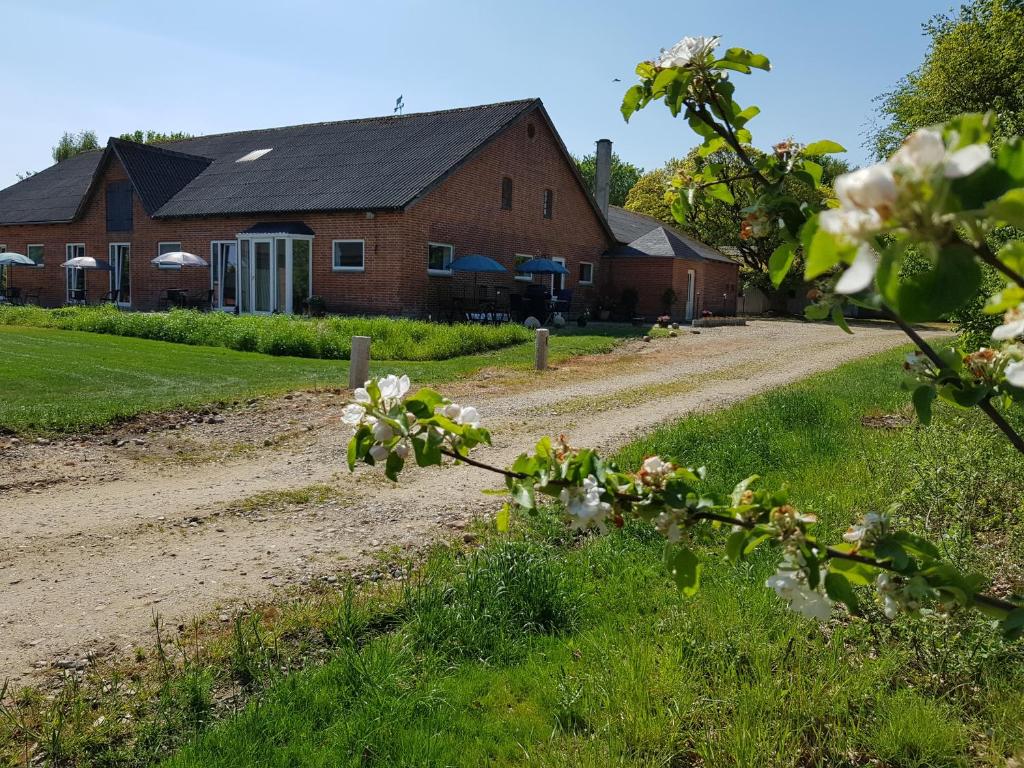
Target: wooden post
{"type": "Point", "coordinates": [542, 349]}
{"type": "Point", "coordinates": [359, 362]}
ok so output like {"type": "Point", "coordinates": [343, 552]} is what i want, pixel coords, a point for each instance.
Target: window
{"type": "Point", "coordinates": [121, 277]}
{"type": "Point", "coordinates": [256, 154]}
{"type": "Point", "coordinates": [519, 259]}
{"type": "Point", "coordinates": [3, 248]}
{"type": "Point", "coordinates": [349, 256]}
{"type": "Point", "coordinates": [586, 273]}
{"type": "Point", "coordinates": [531, 131]}
{"type": "Point", "coordinates": [506, 193]}
{"type": "Point", "coordinates": [162, 248]}
{"type": "Point", "coordinates": [35, 252]}
{"type": "Point", "coordinates": [224, 273]}
{"type": "Point", "coordinates": [119, 206]}
{"type": "Point", "coordinates": [74, 278]}
{"type": "Point", "coordinates": [439, 258]}
{"type": "Point", "coordinates": [549, 203]}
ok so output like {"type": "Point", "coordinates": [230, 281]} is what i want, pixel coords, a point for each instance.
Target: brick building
{"type": "Point", "coordinates": [367, 214]}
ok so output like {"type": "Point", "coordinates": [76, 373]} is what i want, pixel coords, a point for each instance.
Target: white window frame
{"type": "Point", "coordinates": [160, 252]}
{"type": "Point", "coordinates": [336, 268]}
{"type": "Point", "coordinates": [440, 272]}
{"type": "Point", "coordinates": [591, 280]}
{"type": "Point", "coordinates": [3, 248]}
{"type": "Point", "coordinates": [559, 281]}
{"type": "Point", "coordinates": [67, 270]}
{"type": "Point", "coordinates": [519, 277]}
{"type": "Point", "coordinates": [214, 255]}
{"type": "Point", "coordinates": [29, 247]}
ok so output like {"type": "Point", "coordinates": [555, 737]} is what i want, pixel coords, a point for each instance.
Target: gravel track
{"type": "Point", "coordinates": [98, 533]}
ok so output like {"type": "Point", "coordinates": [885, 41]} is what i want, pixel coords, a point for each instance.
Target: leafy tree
{"type": "Point", "coordinates": [71, 144]}
{"type": "Point", "coordinates": [154, 137]}
{"type": "Point", "coordinates": [719, 219]}
{"type": "Point", "coordinates": [975, 63]}
{"type": "Point", "coordinates": [624, 176]}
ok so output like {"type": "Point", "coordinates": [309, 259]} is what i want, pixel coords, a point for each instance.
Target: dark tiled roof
{"type": "Point", "coordinates": [158, 174]}
{"type": "Point", "coordinates": [373, 163]}
{"type": "Point", "coordinates": [642, 235]}
{"type": "Point", "coordinates": [279, 228]}
{"type": "Point", "coordinates": [54, 194]}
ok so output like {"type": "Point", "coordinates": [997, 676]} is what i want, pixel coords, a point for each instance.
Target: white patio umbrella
{"type": "Point", "coordinates": [180, 259]}
{"type": "Point", "coordinates": [10, 259]}
{"type": "Point", "coordinates": [88, 262]}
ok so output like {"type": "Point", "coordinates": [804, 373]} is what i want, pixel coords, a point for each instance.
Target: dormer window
{"type": "Point", "coordinates": [256, 154]}
{"type": "Point", "coordinates": [506, 193]}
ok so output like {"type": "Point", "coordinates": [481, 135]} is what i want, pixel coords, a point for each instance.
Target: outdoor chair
{"type": "Point", "coordinates": [517, 307]}
{"type": "Point", "coordinates": [111, 297]}
{"type": "Point", "coordinates": [12, 294]}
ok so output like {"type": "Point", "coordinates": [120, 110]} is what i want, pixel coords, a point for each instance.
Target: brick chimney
{"type": "Point", "coordinates": [603, 174]}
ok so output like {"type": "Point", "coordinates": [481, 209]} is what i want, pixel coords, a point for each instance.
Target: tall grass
{"type": "Point", "coordinates": [328, 338]}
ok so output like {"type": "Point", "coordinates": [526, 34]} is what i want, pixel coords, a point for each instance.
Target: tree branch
{"type": "Point", "coordinates": [986, 255]}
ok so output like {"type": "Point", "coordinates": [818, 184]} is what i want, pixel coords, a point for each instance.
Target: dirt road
{"type": "Point", "coordinates": [181, 514]}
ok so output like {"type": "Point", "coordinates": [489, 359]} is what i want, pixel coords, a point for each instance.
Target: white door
{"type": "Point", "coordinates": [261, 276]}
{"type": "Point", "coordinates": [689, 293]}
{"type": "Point", "coordinates": [224, 274]}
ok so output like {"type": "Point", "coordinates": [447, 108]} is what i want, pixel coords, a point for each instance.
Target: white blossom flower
{"type": "Point", "coordinates": [403, 449]}
{"type": "Point", "coordinates": [887, 590]}
{"type": "Point", "coordinates": [966, 161]}
{"type": "Point", "coordinates": [352, 414]}
{"type": "Point", "coordinates": [584, 504]}
{"type": "Point", "coordinates": [924, 151]}
{"type": "Point", "coordinates": [791, 584]}
{"type": "Point", "coordinates": [393, 388]}
{"type": "Point", "coordinates": [667, 524]}
{"type": "Point", "coordinates": [361, 395]}
{"type": "Point", "coordinates": [379, 452]}
{"type": "Point", "coordinates": [688, 51]}
{"type": "Point", "coordinates": [654, 471]}
{"type": "Point", "coordinates": [869, 525]}
{"type": "Point", "coordinates": [1013, 325]}
{"type": "Point", "coordinates": [921, 152]}
{"type": "Point", "coordinates": [382, 432]}
{"type": "Point", "coordinates": [852, 223]}
{"type": "Point", "coordinates": [460, 414]}
{"type": "Point", "coordinates": [869, 188]}
{"type": "Point", "coordinates": [859, 275]}
{"type": "Point", "coordinates": [1015, 374]}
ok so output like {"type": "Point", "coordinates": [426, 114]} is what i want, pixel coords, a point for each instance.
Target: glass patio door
{"type": "Point", "coordinates": [224, 275]}
{"type": "Point", "coordinates": [121, 277]}
{"type": "Point", "coordinates": [262, 277]}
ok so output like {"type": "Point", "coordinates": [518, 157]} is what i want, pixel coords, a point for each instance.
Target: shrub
{"type": "Point", "coordinates": [329, 338]}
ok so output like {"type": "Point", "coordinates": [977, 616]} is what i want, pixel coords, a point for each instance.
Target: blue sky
{"type": "Point", "coordinates": [207, 66]}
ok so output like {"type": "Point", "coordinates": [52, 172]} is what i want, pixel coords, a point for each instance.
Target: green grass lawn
{"type": "Point", "coordinates": [543, 648]}
{"type": "Point", "coordinates": [64, 381]}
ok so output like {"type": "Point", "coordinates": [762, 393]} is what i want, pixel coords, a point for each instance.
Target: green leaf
{"type": "Point", "coordinates": [426, 451]}
{"type": "Point", "coordinates": [523, 495]}
{"type": "Point", "coordinates": [814, 170]}
{"type": "Point", "coordinates": [734, 545]}
{"type": "Point", "coordinates": [422, 404]}
{"type": "Point", "coordinates": [826, 147]}
{"type": "Point", "coordinates": [824, 253]}
{"type": "Point", "coordinates": [1009, 208]}
{"type": "Point", "coordinates": [710, 146]}
{"type": "Point", "coordinates": [954, 279]}
{"type": "Point", "coordinates": [745, 116]}
{"type": "Point", "coordinates": [631, 101]}
{"type": "Point", "coordinates": [685, 568]}
{"type": "Point", "coordinates": [503, 518]}
{"type": "Point", "coordinates": [681, 207]}
{"type": "Point", "coordinates": [733, 65]}
{"type": "Point", "coordinates": [780, 262]}
{"type": "Point", "coordinates": [1013, 624]}
{"type": "Point", "coordinates": [917, 545]}
{"type": "Point", "coordinates": [923, 397]}
{"type": "Point", "coordinates": [721, 192]}
{"type": "Point", "coordinates": [393, 466]}
{"type": "Point", "coordinates": [1012, 255]}
{"type": "Point", "coordinates": [662, 81]}
{"type": "Point", "coordinates": [891, 550]}
{"type": "Point", "coordinates": [817, 311]}
{"type": "Point", "coordinates": [646, 70]}
{"type": "Point", "coordinates": [743, 56]}
{"type": "Point", "coordinates": [854, 572]}
{"type": "Point", "coordinates": [351, 455]}
{"type": "Point", "coordinates": [839, 589]}
{"type": "Point", "coordinates": [840, 320]}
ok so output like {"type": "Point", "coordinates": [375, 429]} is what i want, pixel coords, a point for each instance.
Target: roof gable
{"type": "Point", "coordinates": [646, 236]}
{"type": "Point", "coordinates": [157, 173]}
{"type": "Point", "coordinates": [54, 194]}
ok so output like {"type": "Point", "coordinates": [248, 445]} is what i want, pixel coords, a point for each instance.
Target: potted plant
{"type": "Point", "coordinates": [664, 320]}
{"type": "Point", "coordinates": [668, 299]}
{"type": "Point", "coordinates": [316, 306]}
{"type": "Point", "coordinates": [605, 305]}
{"type": "Point", "coordinates": [583, 318]}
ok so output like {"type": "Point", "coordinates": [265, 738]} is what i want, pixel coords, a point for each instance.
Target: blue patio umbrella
{"type": "Point", "coordinates": [476, 263]}
{"type": "Point", "coordinates": [542, 267]}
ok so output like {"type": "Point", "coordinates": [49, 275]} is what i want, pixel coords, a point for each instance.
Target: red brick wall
{"type": "Point", "coordinates": [714, 284]}
{"type": "Point", "coordinates": [464, 211]}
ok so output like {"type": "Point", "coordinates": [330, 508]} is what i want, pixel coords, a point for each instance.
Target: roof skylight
{"type": "Point", "coordinates": [256, 154]}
